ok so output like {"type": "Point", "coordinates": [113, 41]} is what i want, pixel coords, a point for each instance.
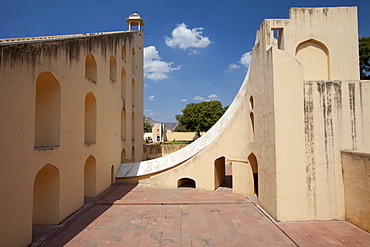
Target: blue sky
{"type": "Point", "coordinates": [194, 50]}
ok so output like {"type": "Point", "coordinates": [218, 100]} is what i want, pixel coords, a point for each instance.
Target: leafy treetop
{"type": "Point", "coordinates": [201, 116]}
{"type": "Point", "coordinates": [364, 50]}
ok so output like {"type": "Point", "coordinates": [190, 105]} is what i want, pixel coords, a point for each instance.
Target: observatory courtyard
{"type": "Point", "coordinates": [288, 164]}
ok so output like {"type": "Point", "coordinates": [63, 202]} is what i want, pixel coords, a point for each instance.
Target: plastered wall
{"type": "Point", "coordinates": [356, 178]}
{"type": "Point", "coordinates": [294, 121]}
{"type": "Point", "coordinates": [27, 165]}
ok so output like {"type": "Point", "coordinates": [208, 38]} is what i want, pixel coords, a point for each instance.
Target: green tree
{"type": "Point", "coordinates": [146, 126]}
{"type": "Point", "coordinates": [364, 50]}
{"type": "Point", "coordinates": [201, 116]}
{"type": "Point", "coordinates": [180, 127]}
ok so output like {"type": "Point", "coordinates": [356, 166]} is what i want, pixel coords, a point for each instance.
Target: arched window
{"type": "Point", "coordinates": [186, 182]}
{"type": "Point", "coordinates": [314, 56]}
{"type": "Point", "coordinates": [123, 52]}
{"type": "Point", "coordinates": [254, 165]}
{"type": "Point", "coordinates": [90, 68]}
{"type": "Point", "coordinates": [112, 68]}
{"type": "Point", "coordinates": [123, 124]}
{"type": "Point", "coordinates": [133, 91]}
{"type": "Point", "coordinates": [123, 84]}
{"type": "Point", "coordinates": [90, 119]}
{"type": "Point", "coordinates": [47, 111]}
{"type": "Point", "coordinates": [251, 103]}
{"type": "Point", "coordinates": [251, 126]}
{"type": "Point", "coordinates": [90, 177]}
{"type": "Point", "coordinates": [133, 59]}
{"type": "Point", "coordinates": [123, 156]}
{"type": "Point", "coordinates": [46, 196]}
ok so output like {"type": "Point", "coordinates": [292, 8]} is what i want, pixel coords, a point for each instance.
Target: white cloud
{"type": "Point", "coordinates": [233, 66]}
{"type": "Point", "coordinates": [185, 38]}
{"type": "Point", "coordinates": [212, 96]}
{"type": "Point", "coordinates": [149, 112]}
{"type": "Point", "coordinates": [154, 68]}
{"type": "Point", "coordinates": [151, 98]}
{"type": "Point", "coordinates": [198, 98]}
{"type": "Point", "coordinates": [245, 60]}
{"type": "Point", "coordinates": [184, 100]}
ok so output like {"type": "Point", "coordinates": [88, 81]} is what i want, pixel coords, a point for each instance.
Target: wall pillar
{"type": "Point", "coordinates": [242, 178]}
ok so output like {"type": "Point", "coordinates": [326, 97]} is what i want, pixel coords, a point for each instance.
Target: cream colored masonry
{"type": "Point", "coordinates": [300, 104]}
{"type": "Point", "coordinates": [71, 112]}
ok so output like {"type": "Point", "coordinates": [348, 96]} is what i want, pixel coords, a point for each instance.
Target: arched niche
{"type": "Point", "coordinates": [123, 156]}
{"type": "Point", "coordinates": [133, 125]}
{"type": "Point", "coordinates": [91, 68]}
{"type": "Point", "coordinates": [112, 68]}
{"type": "Point", "coordinates": [47, 111]}
{"type": "Point", "coordinates": [46, 196]}
{"type": "Point", "coordinates": [123, 84]}
{"type": "Point", "coordinates": [133, 154]}
{"type": "Point", "coordinates": [133, 59]}
{"type": "Point", "coordinates": [251, 126]}
{"type": "Point", "coordinates": [186, 182]}
{"type": "Point", "coordinates": [314, 56]}
{"type": "Point", "coordinates": [112, 175]}
{"type": "Point", "coordinates": [123, 52]}
{"type": "Point", "coordinates": [123, 124]}
{"type": "Point", "coordinates": [133, 91]}
{"type": "Point", "coordinates": [90, 118]}
{"type": "Point", "coordinates": [90, 177]}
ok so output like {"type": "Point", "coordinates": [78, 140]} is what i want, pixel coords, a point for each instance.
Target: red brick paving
{"type": "Point", "coordinates": [137, 216]}
{"type": "Point", "coordinates": [129, 215]}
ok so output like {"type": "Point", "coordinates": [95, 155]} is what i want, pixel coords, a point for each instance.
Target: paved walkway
{"type": "Point", "coordinates": [130, 215]}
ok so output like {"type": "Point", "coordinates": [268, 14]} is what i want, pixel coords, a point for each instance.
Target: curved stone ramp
{"type": "Point", "coordinates": [129, 170]}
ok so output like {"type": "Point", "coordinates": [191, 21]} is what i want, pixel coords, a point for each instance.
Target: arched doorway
{"type": "Point", "coordinates": [90, 177]}
{"type": "Point", "coordinates": [46, 196]}
{"type": "Point", "coordinates": [186, 182]}
{"type": "Point", "coordinates": [220, 171]}
{"type": "Point", "coordinates": [254, 166]}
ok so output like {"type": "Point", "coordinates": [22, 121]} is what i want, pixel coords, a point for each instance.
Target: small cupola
{"type": "Point", "coordinates": [135, 20]}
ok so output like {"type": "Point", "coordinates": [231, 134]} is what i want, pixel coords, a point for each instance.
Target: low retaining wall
{"type": "Point", "coordinates": [156, 151]}
{"type": "Point", "coordinates": [356, 178]}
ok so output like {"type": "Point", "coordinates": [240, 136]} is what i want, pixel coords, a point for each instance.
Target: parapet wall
{"type": "Point", "coordinates": [356, 178]}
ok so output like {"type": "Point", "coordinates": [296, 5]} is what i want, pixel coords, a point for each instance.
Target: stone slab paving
{"type": "Point", "coordinates": [129, 215]}
{"type": "Point", "coordinates": [326, 233]}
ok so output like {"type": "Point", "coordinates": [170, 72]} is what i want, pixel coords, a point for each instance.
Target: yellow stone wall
{"type": "Point", "coordinates": [61, 131]}
{"type": "Point", "coordinates": [356, 178]}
